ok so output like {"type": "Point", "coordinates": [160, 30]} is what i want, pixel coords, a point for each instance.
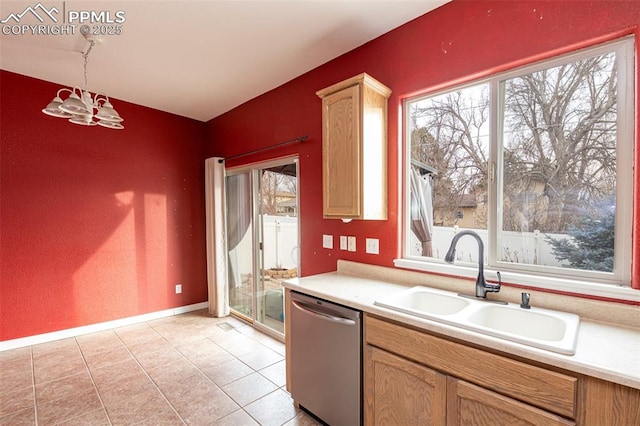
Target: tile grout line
{"type": "Point", "coordinates": [207, 377]}
{"type": "Point", "coordinates": [242, 407]}
{"type": "Point", "coordinates": [235, 357]}
{"type": "Point", "coordinates": [95, 388]}
{"type": "Point", "coordinates": [144, 370]}
{"type": "Point", "coordinates": [233, 329]}
{"type": "Point", "coordinates": [33, 386]}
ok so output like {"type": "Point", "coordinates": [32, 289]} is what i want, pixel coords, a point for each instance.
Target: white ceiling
{"type": "Point", "coordinates": [199, 59]}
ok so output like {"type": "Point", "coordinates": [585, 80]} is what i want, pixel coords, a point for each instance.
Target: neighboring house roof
{"type": "Point", "coordinates": [467, 200]}
{"type": "Point", "coordinates": [285, 194]}
{"type": "Point", "coordinates": [287, 203]}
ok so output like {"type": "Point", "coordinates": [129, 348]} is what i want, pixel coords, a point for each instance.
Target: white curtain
{"type": "Point", "coordinates": [422, 210]}
{"type": "Point", "coordinates": [238, 204]}
{"type": "Point", "coordinates": [216, 237]}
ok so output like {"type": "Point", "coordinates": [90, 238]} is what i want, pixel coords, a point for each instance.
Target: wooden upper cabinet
{"type": "Point", "coordinates": [354, 149]}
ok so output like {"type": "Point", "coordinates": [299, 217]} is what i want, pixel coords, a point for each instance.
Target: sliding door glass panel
{"type": "Point", "coordinates": [278, 208]}
{"type": "Point", "coordinates": [240, 243]}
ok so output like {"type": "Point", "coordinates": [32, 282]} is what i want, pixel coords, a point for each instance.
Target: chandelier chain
{"type": "Point", "coordinates": [85, 55]}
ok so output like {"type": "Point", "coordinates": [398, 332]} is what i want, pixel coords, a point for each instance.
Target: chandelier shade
{"type": "Point", "coordinates": [74, 105]}
{"type": "Point", "coordinates": [110, 124]}
{"type": "Point", "coordinates": [53, 108]}
{"type": "Point", "coordinates": [107, 113]}
{"type": "Point", "coordinates": [81, 107]}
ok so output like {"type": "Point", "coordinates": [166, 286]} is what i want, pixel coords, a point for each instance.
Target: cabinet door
{"type": "Point", "coordinates": [468, 404]}
{"type": "Point", "coordinates": [606, 403]}
{"type": "Point", "coordinates": [341, 156]}
{"type": "Point", "coordinates": [401, 392]}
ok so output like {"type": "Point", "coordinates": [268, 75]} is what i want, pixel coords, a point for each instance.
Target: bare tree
{"type": "Point", "coordinates": [562, 135]}
{"type": "Point", "coordinates": [452, 137]}
{"type": "Point", "coordinates": [274, 187]}
{"type": "Point", "coordinates": [559, 143]}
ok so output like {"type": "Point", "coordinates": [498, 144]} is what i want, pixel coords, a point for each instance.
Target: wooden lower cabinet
{"type": "Point", "coordinates": [468, 404]}
{"type": "Point", "coordinates": [401, 392]}
{"type": "Point", "coordinates": [606, 403]}
{"type": "Point", "coordinates": [412, 377]}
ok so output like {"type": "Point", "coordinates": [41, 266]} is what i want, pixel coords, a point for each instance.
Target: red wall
{"type": "Point", "coordinates": [95, 224]}
{"type": "Point", "coordinates": [459, 41]}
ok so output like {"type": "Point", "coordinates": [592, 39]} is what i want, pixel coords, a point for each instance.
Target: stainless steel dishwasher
{"type": "Point", "coordinates": [326, 359]}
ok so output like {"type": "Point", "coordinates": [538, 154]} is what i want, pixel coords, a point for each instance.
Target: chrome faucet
{"type": "Point", "coordinates": [482, 287]}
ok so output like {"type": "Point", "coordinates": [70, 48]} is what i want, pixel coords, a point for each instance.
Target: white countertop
{"type": "Point", "coordinates": [603, 350]}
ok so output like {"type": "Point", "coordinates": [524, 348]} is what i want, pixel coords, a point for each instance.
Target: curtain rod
{"type": "Point", "coordinates": [255, 151]}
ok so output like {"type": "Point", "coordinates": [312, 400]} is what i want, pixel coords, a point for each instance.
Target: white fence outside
{"type": "Point", "coordinates": [280, 240]}
{"type": "Point", "coordinates": [521, 247]}
{"type": "Point", "coordinates": [280, 236]}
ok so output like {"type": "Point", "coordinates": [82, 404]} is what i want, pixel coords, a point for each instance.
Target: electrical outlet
{"type": "Point", "coordinates": [372, 246]}
{"type": "Point", "coordinates": [351, 243]}
{"type": "Point", "coordinates": [178, 288]}
{"type": "Point", "coordinates": [343, 242]}
{"type": "Point", "coordinates": [327, 241]}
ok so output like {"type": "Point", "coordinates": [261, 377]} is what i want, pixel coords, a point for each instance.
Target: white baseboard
{"type": "Point", "coordinates": [108, 325]}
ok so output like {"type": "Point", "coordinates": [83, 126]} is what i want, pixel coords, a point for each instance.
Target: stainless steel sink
{"type": "Point", "coordinates": [542, 328]}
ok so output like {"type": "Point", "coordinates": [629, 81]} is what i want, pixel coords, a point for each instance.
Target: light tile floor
{"type": "Point", "coordinates": [186, 369]}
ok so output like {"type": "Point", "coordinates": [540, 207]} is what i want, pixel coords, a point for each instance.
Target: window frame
{"type": "Point", "coordinates": [615, 285]}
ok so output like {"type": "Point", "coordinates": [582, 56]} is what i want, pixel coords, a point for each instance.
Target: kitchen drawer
{"type": "Point", "coordinates": [550, 390]}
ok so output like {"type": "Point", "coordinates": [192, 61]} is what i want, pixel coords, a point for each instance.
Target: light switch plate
{"type": "Point", "coordinates": [343, 242]}
{"type": "Point", "coordinates": [351, 243]}
{"type": "Point", "coordinates": [327, 241]}
{"type": "Point", "coordinates": [372, 246]}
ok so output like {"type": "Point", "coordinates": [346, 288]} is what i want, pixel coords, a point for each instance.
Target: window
{"type": "Point", "coordinates": [538, 161]}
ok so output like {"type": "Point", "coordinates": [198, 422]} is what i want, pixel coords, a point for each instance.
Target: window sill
{"type": "Point", "coordinates": [554, 284]}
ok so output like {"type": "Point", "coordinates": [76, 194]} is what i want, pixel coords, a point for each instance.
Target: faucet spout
{"type": "Point", "coordinates": [482, 287]}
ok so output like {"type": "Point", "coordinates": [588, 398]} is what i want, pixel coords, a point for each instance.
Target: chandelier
{"type": "Point", "coordinates": [81, 107]}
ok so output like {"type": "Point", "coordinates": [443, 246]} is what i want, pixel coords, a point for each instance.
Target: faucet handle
{"type": "Point", "coordinates": [495, 287]}
{"type": "Point", "coordinates": [524, 304]}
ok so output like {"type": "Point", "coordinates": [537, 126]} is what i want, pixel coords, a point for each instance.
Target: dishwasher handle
{"type": "Point", "coordinates": [322, 315]}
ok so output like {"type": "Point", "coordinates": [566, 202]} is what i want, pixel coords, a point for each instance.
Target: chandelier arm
{"type": "Point", "coordinates": [64, 89]}
{"type": "Point", "coordinates": [104, 98]}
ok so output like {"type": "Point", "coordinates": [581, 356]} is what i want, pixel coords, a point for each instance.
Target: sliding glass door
{"type": "Point", "coordinates": [240, 243]}
{"type": "Point", "coordinates": [262, 239]}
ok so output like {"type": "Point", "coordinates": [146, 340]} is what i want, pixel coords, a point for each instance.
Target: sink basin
{"type": "Point", "coordinates": [425, 302]}
{"type": "Point", "coordinates": [520, 322]}
{"type": "Point", "coordinates": [541, 328]}
{"type": "Point", "coordinates": [552, 330]}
